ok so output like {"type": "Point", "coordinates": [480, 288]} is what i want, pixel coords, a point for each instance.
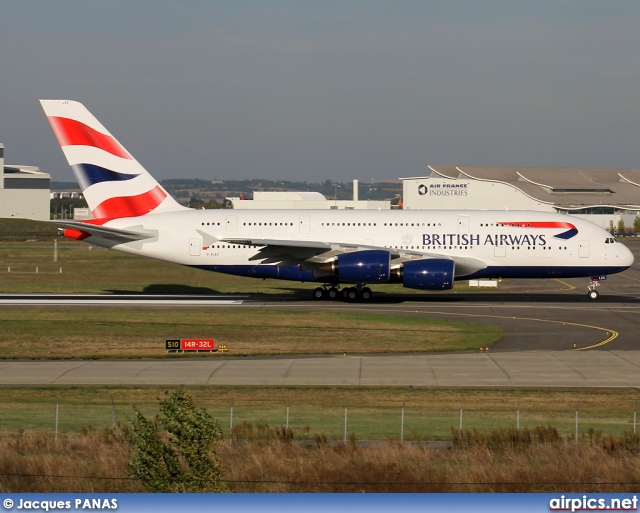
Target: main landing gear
{"type": "Point", "coordinates": [593, 294]}
{"type": "Point", "coordinates": [325, 292]}
{"type": "Point", "coordinates": [357, 293]}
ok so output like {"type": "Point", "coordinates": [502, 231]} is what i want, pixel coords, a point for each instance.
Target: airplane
{"type": "Point", "coordinates": [421, 249]}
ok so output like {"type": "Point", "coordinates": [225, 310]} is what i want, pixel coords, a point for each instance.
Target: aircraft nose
{"type": "Point", "coordinates": [626, 256]}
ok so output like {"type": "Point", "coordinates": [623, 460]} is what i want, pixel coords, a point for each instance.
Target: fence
{"type": "Point", "coordinates": [390, 421]}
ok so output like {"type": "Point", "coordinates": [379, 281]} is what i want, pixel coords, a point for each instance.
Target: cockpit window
{"type": "Point", "coordinates": [611, 240]}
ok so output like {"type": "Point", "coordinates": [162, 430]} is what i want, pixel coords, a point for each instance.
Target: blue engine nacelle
{"type": "Point", "coordinates": [428, 274]}
{"type": "Point", "coordinates": [370, 266]}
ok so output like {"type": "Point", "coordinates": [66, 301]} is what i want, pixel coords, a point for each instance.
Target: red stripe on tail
{"type": "Point", "coordinates": [130, 206]}
{"type": "Point", "coordinates": [73, 133]}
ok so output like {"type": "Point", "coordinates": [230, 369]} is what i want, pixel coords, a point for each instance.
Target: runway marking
{"type": "Point", "coordinates": [571, 287]}
{"type": "Point", "coordinates": [613, 336]}
{"type": "Point", "coordinates": [106, 302]}
{"type": "Point", "coordinates": [629, 277]}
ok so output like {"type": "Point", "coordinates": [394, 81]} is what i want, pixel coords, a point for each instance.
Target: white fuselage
{"type": "Point", "coordinates": [524, 244]}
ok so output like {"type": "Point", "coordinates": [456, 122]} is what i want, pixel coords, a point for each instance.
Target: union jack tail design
{"type": "Point", "coordinates": [114, 184]}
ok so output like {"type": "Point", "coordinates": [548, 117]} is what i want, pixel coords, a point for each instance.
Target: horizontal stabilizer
{"type": "Point", "coordinates": [79, 230]}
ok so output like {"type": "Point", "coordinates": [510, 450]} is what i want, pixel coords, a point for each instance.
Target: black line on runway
{"type": "Point", "coordinates": [435, 378]}
{"type": "Point", "coordinates": [573, 370]}
{"type": "Point", "coordinates": [502, 369]}
{"type": "Point", "coordinates": [69, 370]}
{"type": "Point", "coordinates": [286, 374]}
{"type": "Point", "coordinates": [624, 359]}
{"type": "Point", "coordinates": [216, 370]}
{"type": "Point", "coordinates": [142, 370]}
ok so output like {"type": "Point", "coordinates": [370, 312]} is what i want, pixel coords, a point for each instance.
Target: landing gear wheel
{"type": "Point", "coordinates": [352, 294]}
{"type": "Point", "coordinates": [319, 293]}
{"type": "Point", "coordinates": [332, 293]}
{"type": "Point", "coordinates": [593, 294]}
{"type": "Point", "coordinates": [366, 294]}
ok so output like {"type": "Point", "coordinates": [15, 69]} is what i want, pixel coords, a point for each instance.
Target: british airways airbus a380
{"type": "Point", "coordinates": [424, 250]}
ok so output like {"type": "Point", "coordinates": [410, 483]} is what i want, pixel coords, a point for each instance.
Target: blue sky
{"type": "Point", "coordinates": [322, 90]}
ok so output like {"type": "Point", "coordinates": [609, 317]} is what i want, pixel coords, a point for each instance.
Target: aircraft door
{"type": "Point", "coordinates": [305, 222]}
{"type": "Point", "coordinates": [232, 223]}
{"type": "Point", "coordinates": [500, 250]}
{"type": "Point", "coordinates": [195, 246]}
{"type": "Point", "coordinates": [583, 249]}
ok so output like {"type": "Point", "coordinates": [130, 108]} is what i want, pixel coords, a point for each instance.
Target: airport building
{"type": "Point", "coordinates": [24, 191]}
{"type": "Point", "coordinates": [602, 196]}
{"type": "Point", "coordinates": [305, 201]}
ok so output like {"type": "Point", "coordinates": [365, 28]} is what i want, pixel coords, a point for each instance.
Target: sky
{"type": "Point", "coordinates": [317, 90]}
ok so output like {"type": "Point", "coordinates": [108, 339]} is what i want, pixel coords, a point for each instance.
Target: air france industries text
{"type": "Point", "coordinates": [445, 189]}
{"type": "Point", "coordinates": [465, 239]}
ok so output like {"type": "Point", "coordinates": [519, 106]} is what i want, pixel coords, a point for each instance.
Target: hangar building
{"type": "Point", "coordinates": [306, 200]}
{"type": "Point", "coordinates": [603, 196]}
{"type": "Point", "coordinates": [24, 191]}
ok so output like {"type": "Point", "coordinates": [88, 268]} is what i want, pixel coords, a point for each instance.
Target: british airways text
{"type": "Point", "coordinates": [465, 239]}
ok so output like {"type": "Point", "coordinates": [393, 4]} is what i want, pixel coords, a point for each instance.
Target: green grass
{"type": "Point", "coordinates": [371, 414]}
{"type": "Point", "coordinates": [109, 333]}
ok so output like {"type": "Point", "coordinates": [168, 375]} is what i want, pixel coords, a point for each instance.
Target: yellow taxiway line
{"type": "Point", "coordinates": [612, 335]}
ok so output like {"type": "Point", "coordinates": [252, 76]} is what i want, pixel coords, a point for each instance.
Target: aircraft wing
{"type": "Point", "coordinates": [284, 253]}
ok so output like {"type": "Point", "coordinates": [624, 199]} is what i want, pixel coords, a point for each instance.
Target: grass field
{"type": "Point", "coordinates": [138, 333]}
{"type": "Point", "coordinates": [87, 454]}
{"type": "Point", "coordinates": [372, 414]}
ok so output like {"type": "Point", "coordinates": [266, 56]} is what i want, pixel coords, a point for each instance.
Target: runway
{"type": "Point", "coordinates": [535, 369]}
{"type": "Point", "coordinates": [552, 340]}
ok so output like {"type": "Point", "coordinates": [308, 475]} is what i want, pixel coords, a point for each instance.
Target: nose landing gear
{"type": "Point", "coordinates": [593, 294]}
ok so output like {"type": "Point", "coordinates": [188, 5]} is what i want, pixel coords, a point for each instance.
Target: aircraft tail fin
{"type": "Point", "coordinates": [114, 183]}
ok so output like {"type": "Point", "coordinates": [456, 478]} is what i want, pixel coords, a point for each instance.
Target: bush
{"type": "Point", "coordinates": [184, 457]}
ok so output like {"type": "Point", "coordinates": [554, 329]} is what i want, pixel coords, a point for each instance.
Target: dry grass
{"type": "Point", "coordinates": [392, 467]}
{"type": "Point", "coordinates": [35, 462]}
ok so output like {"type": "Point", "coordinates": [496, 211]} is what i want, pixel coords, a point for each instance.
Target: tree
{"type": "Point", "coordinates": [182, 459]}
{"type": "Point", "coordinates": [621, 227]}
{"type": "Point", "coordinates": [195, 202]}
{"type": "Point", "coordinates": [636, 224]}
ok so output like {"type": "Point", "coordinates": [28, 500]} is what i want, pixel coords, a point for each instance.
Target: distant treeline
{"type": "Point", "coordinates": [375, 192]}
{"type": "Point", "coordinates": [199, 193]}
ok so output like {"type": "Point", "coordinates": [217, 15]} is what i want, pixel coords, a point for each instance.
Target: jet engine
{"type": "Point", "coordinates": [369, 266]}
{"type": "Point", "coordinates": [428, 274]}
